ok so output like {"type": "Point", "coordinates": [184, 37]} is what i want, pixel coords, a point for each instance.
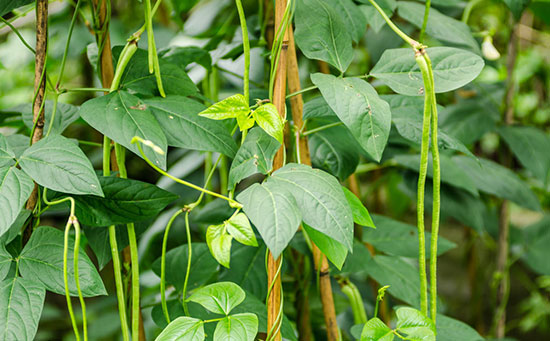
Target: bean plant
{"type": "Point", "coordinates": [274, 169]}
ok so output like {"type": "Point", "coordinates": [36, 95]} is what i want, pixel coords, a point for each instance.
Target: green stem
{"type": "Point", "coordinates": [414, 44]}
{"type": "Point", "coordinates": [120, 153]}
{"type": "Point", "coordinates": [62, 90]}
{"type": "Point", "coordinates": [321, 128]}
{"type": "Point", "coordinates": [163, 266]}
{"type": "Point", "coordinates": [468, 10]}
{"type": "Point", "coordinates": [422, 182]}
{"type": "Point", "coordinates": [436, 207]}
{"type": "Point", "coordinates": [129, 49]}
{"type": "Point", "coordinates": [18, 35]}
{"type": "Point", "coordinates": [425, 21]}
{"type": "Point", "coordinates": [188, 270]}
{"type": "Point", "coordinates": [277, 45]}
{"type": "Point", "coordinates": [246, 48]}
{"type": "Point", "coordinates": [66, 52]}
{"type": "Point", "coordinates": [301, 91]}
{"type": "Point", "coordinates": [54, 112]}
{"type": "Point", "coordinates": [76, 225]}
{"type": "Point", "coordinates": [114, 250]}
{"type": "Point", "coordinates": [138, 141]}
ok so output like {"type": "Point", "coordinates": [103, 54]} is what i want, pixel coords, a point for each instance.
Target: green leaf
{"type": "Point", "coordinates": [334, 149]}
{"type": "Point", "coordinates": [64, 116]}
{"type": "Point", "coordinates": [269, 120]}
{"type": "Point", "coordinates": [400, 239]}
{"type": "Point", "coordinates": [318, 107]}
{"type": "Point", "coordinates": [242, 327]}
{"type": "Point", "coordinates": [231, 107]}
{"type": "Point", "coordinates": [248, 270]}
{"type": "Point", "coordinates": [203, 266]}
{"type": "Point", "coordinates": [374, 19]}
{"type": "Point", "coordinates": [335, 251]}
{"type": "Point", "coordinates": [7, 155]}
{"type": "Point", "coordinates": [360, 108]}
{"type": "Point", "coordinates": [376, 330]}
{"type": "Point", "coordinates": [185, 55]}
{"type": "Point", "coordinates": [7, 6]}
{"type": "Point", "coordinates": [57, 163]}
{"type": "Point", "coordinates": [350, 14]}
{"type": "Point", "coordinates": [409, 125]}
{"type": "Point", "coordinates": [450, 173]}
{"type": "Point", "coordinates": [320, 198]}
{"type": "Point", "coordinates": [452, 68]}
{"type": "Point", "coordinates": [360, 213]}
{"type": "Point", "coordinates": [42, 259]}
{"type": "Point", "coordinates": [415, 325]}
{"type": "Point", "coordinates": [219, 243]}
{"type": "Point", "coordinates": [495, 179]}
{"type": "Point", "coordinates": [449, 329]}
{"type": "Point", "coordinates": [219, 298]}
{"type": "Point", "coordinates": [183, 328]}
{"type": "Point", "coordinates": [530, 146]}
{"type": "Point", "coordinates": [254, 156]}
{"type": "Point", "coordinates": [121, 116]}
{"type": "Point", "coordinates": [19, 314]}
{"type": "Point", "coordinates": [15, 189]}
{"type": "Point", "coordinates": [178, 117]}
{"type": "Point", "coordinates": [125, 201]}
{"type": "Point", "coordinates": [517, 7]}
{"type": "Point", "coordinates": [5, 261]}
{"type": "Point", "coordinates": [15, 228]}
{"type": "Point", "coordinates": [136, 76]}
{"type": "Point", "coordinates": [239, 227]}
{"type": "Point", "coordinates": [469, 120]}
{"type": "Point", "coordinates": [274, 212]}
{"type": "Point", "coordinates": [401, 276]}
{"type": "Point", "coordinates": [321, 33]}
{"type": "Point", "coordinates": [536, 252]}
{"type": "Point", "coordinates": [440, 26]}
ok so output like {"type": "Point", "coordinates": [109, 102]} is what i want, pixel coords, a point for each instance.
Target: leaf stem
{"type": "Point", "coordinates": [301, 91]}
{"type": "Point", "coordinates": [66, 51]}
{"type": "Point", "coordinates": [137, 140]}
{"type": "Point", "coordinates": [414, 44]}
{"type": "Point", "coordinates": [321, 128]}
{"type": "Point", "coordinates": [163, 266]}
{"type": "Point", "coordinates": [66, 279]}
{"type": "Point", "coordinates": [425, 21]}
{"type": "Point", "coordinates": [246, 48]}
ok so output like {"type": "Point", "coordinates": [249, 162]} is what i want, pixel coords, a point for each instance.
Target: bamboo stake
{"type": "Point", "coordinates": [39, 91]}
{"type": "Point", "coordinates": [274, 307]}
{"type": "Point", "coordinates": [320, 260]}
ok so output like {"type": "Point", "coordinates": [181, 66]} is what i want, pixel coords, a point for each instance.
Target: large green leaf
{"type": "Point", "coordinates": [137, 77]}
{"type": "Point", "coordinates": [15, 188]}
{"type": "Point", "coordinates": [219, 298]}
{"type": "Point", "coordinates": [267, 117]}
{"type": "Point", "coordinates": [400, 239]}
{"type": "Point", "coordinates": [203, 266]}
{"type": "Point", "coordinates": [320, 198]}
{"type": "Point", "coordinates": [530, 146]}
{"type": "Point", "coordinates": [321, 33]}
{"type": "Point", "coordinates": [450, 173]}
{"type": "Point", "coordinates": [376, 330]}
{"type": "Point", "coordinates": [125, 201]}
{"type": "Point", "coordinates": [179, 119]}
{"type": "Point", "coordinates": [242, 327]}
{"type": "Point", "coordinates": [318, 107]}
{"type": "Point", "coordinates": [121, 116]}
{"type": "Point", "coordinates": [470, 119]}
{"type": "Point", "coordinates": [415, 325]}
{"type": "Point", "coordinates": [440, 26]}
{"type": "Point", "coordinates": [65, 114]}
{"type": "Point", "coordinates": [449, 329]}
{"type": "Point", "coordinates": [360, 108]}
{"type": "Point", "coordinates": [57, 163]}
{"type": "Point", "coordinates": [536, 252]}
{"type": "Point", "coordinates": [248, 269]}
{"type": "Point", "coordinates": [185, 55]}
{"type": "Point", "coordinates": [335, 251]}
{"type": "Point", "coordinates": [183, 328]}
{"type": "Point", "coordinates": [401, 276]}
{"type": "Point", "coordinates": [22, 301]}
{"type": "Point", "coordinates": [15, 228]}
{"type": "Point", "coordinates": [254, 156]}
{"type": "Point", "coordinates": [5, 261]}
{"type": "Point", "coordinates": [238, 227]}
{"type": "Point", "coordinates": [409, 125]}
{"type": "Point", "coordinates": [350, 14]}
{"type": "Point", "coordinates": [452, 68]}
{"type": "Point", "coordinates": [334, 150]}
{"type": "Point", "coordinates": [8, 5]}
{"type": "Point", "coordinates": [273, 210]}
{"type": "Point", "coordinates": [219, 243]}
{"type": "Point", "coordinates": [360, 213]}
{"type": "Point", "coordinates": [6, 153]}
{"type": "Point", "coordinates": [495, 179]}
{"type": "Point", "coordinates": [231, 107]}
{"type": "Point", "coordinates": [42, 260]}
